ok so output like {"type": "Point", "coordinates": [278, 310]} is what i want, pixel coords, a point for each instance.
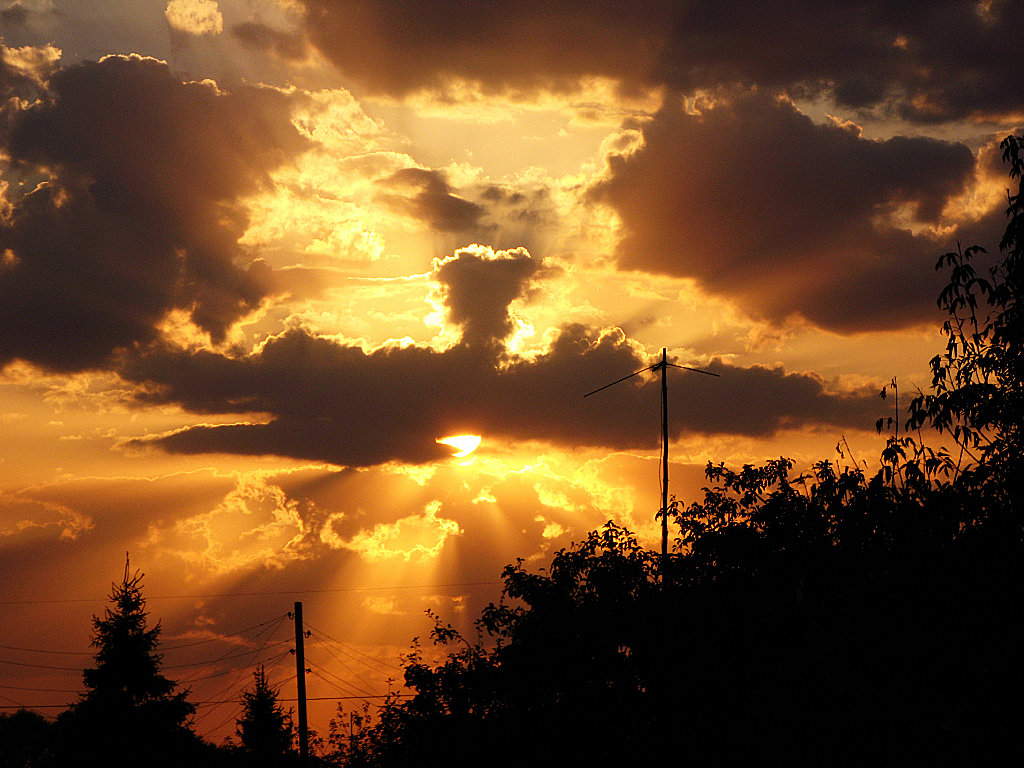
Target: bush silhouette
{"type": "Point", "coordinates": [827, 618]}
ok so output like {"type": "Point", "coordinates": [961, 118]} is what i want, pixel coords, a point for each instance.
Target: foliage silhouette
{"type": "Point", "coordinates": [827, 618]}
{"type": "Point", "coordinates": [265, 729]}
{"type": "Point", "coordinates": [25, 740]}
{"type": "Point", "coordinates": [978, 382]}
{"type": "Point", "coordinates": [130, 713]}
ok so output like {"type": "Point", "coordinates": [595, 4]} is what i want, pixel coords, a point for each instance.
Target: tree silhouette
{"type": "Point", "coordinates": [130, 713]}
{"type": "Point", "coordinates": [827, 618]}
{"type": "Point", "coordinates": [977, 394]}
{"type": "Point", "coordinates": [26, 739]}
{"type": "Point", "coordinates": [264, 728]}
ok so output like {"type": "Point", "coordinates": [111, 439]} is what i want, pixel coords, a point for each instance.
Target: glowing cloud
{"type": "Point", "coordinates": [196, 17]}
{"type": "Point", "coordinates": [464, 444]}
{"type": "Point", "coordinates": [414, 536]}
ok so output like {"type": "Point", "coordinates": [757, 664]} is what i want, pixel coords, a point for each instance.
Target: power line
{"type": "Point", "coordinates": [150, 598]}
{"type": "Point", "coordinates": [40, 650]}
{"type": "Point", "coordinates": [234, 653]}
{"type": "Point", "coordinates": [345, 649]}
{"type": "Point", "coordinates": [40, 666]}
{"type": "Point", "coordinates": [161, 648]}
{"type": "Point", "coordinates": [269, 659]}
{"type": "Point", "coordinates": [220, 637]}
{"type": "Point", "coordinates": [225, 701]}
{"type": "Point", "coordinates": [46, 690]}
{"type": "Point", "coordinates": [341, 683]}
{"type": "Point", "coordinates": [327, 647]}
{"type": "Point", "coordinates": [349, 669]}
{"type": "Point", "coordinates": [315, 698]}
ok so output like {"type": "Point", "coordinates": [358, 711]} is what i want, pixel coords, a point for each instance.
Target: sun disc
{"type": "Point", "coordinates": [464, 444]}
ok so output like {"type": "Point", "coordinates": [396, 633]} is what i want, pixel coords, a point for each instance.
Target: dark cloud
{"type": "Point", "coordinates": [315, 398]}
{"type": "Point", "coordinates": [927, 59]}
{"type": "Point", "coordinates": [787, 217]}
{"type": "Point", "coordinates": [426, 195]}
{"type": "Point", "coordinates": [285, 45]}
{"type": "Point", "coordinates": [140, 214]}
{"type": "Point", "coordinates": [14, 16]}
{"type": "Point", "coordinates": [402, 46]}
{"type": "Point", "coordinates": [478, 289]}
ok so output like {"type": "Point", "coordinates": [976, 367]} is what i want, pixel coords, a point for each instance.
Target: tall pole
{"type": "Point", "coordinates": [664, 461]}
{"type": "Point", "coordinates": [300, 682]}
{"type": "Point", "coordinates": [663, 364]}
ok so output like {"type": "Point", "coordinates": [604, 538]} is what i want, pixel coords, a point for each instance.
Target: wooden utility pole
{"type": "Point", "coordinates": [663, 365]}
{"type": "Point", "coordinates": [300, 683]}
{"type": "Point", "coordinates": [664, 461]}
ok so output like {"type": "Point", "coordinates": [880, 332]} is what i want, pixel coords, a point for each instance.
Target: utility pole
{"type": "Point", "coordinates": [664, 461]}
{"type": "Point", "coordinates": [300, 682]}
{"type": "Point", "coordinates": [663, 365]}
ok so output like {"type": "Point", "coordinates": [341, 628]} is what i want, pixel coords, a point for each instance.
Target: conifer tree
{"type": "Point", "coordinates": [130, 712]}
{"type": "Point", "coordinates": [265, 729]}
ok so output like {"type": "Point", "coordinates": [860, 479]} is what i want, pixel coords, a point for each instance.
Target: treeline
{"type": "Point", "coordinates": [826, 618]}
{"type": "Point", "coordinates": [130, 714]}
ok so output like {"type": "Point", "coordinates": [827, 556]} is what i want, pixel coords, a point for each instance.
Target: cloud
{"type": "Point", "coordinates": [138, 212]}
{"type": "Point", "coordinates": [22, 70]}
{"type": "Point", "coordinates": [14, 16]}
{"type": "Point", "coordinates": [926, 60]}
{"type": "Point", "coordinates": [316, 398]}
{"type": "Point", "coordinates": [400, 47]}
{"type": "Point", "coordinates": [195, 17]}
{"type": "Point", "coordinates": [420, 535]}
{"type": "Point", "coordinates": [426, 195]}
{"type": "Point", "coordinates": [24, 519]}
{"type": "Point", "coordinates": [289, 46]}
{"type": "Point", "coordinates": [478, 286]}
{"type": "Point", "coordinates": [785, 216]}
{"type": "Point", "coordinates": [254, 524]}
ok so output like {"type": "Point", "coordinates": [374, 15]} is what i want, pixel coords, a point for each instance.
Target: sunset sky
{"type": "Point", "coordinates": [258, 256]}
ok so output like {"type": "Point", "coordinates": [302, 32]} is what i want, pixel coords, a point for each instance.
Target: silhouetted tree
{"type": "Point", "coordinates": [977, 395]}
{"type": "Point", "coordinates": [130, 712]}
{"type": "Point", "coordinates": [265, 729]}
{"type": "Point", "coordinates": [25, 740]}
{"type": "Point", "coordinates": [827, 619]}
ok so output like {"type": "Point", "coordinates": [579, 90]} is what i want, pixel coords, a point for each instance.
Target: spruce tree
{"type": "Point", "coordinates": [130, 712]}
{"type": "Point", "coordinates": [265, 729]}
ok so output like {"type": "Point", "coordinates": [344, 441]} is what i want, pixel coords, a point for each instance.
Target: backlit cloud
{"type": "Point", "coordinates": [111, 230]}
{"type": "Point", "coordinates": [927, 61]}
{"type": "Point", "coordinates": [426, 196]}
{"type": "Point", "coordinates": [320, 399]}
{"type": "Point", "coordinates": [785, 216]}
{"type": "Point", "coordinates": [289, 46]}
{"type": "Point", "coordinates": [195, 17]}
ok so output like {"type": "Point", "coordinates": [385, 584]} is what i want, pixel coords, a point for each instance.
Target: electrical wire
{"type": "Point", "coordinates": [345, 648]}
{"type": "Point", "coordinates": [40, 650]}
{"type": "Point", "coordinates": [220, 637]}
{"type": "Point", "coordinates": [39, 666]}
{"type": "Point", "coordinates": [150, 598]}
{"type": "Point", "coordinates": [349, 669]}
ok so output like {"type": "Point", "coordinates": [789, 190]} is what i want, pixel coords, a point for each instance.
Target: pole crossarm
{"type": "Point", "coordinates": [685, 368]}
{"type": "Point", "coordinates": [635, 373]}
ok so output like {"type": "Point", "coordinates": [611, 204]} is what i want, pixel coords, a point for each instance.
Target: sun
{"type": "Point", "coordinates": [465, 444]}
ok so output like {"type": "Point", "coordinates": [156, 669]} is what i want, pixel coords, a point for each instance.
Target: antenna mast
{"type": "Point", "coordinates": [663, 365]}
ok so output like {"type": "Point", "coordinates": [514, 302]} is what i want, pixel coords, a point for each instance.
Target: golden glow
{"type": "Point", "coordinates": [464, 444]}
